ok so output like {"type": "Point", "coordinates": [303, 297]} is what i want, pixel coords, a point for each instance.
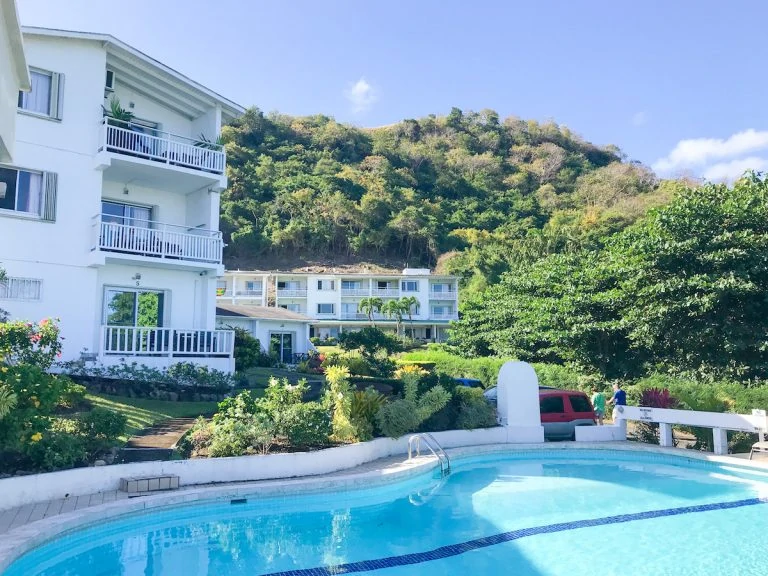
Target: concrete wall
{"type": "Point", "coordinates": [13, 74]}
{"type": "Point", "coordinates": [35, 488]}
{"type": "Point", "coordinates": [261, 330]}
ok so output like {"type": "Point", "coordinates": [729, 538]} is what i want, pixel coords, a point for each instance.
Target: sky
{"type": "Point", "coordinates": [676, 84]}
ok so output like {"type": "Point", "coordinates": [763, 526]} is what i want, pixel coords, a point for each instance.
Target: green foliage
{"type": "Point", "coordinates": [250, 434]}
{"type": "Point", "coordinates": [406, 414]}
{"type": "Point", "coordinates": [365, 405]}
{"type": "Point", "coordinates": [339, 396]}
{"type": "Point", "coordinates": [101, 428]}
{"type": "Point", "coordinates": [29, 343]}
{"type": "Point", "coordinates": [375, 346]}
{"type": "Point", "coordinates": [248, 352]}
{"type": "Point", "coordinates": [484, 369]}
{"type": "Point", "coordinates": [307, 425]}
{"type": "Point", "coordinates": [682, 291]}
{"type": "Point", "coordinates": [474, 411]}
{"type": "Point", "coordinates": [182, 374]}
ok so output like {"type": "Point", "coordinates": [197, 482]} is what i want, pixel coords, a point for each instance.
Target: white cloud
{"type": "Point", "coordinates": [361, 95]}
{"type": "Point", "coordinates": [699, 152]}
{"type": "Point", "coordinates": [730, 171]}
{"type": "Point", "coordinates": [639, 118]}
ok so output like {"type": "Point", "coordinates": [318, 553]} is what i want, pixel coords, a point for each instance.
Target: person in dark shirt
{"type": "Point", "coordinates": [619, 398]}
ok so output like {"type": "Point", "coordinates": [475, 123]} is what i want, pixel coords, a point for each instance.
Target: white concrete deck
{"type": "Point", "coordinates": [24, 527]}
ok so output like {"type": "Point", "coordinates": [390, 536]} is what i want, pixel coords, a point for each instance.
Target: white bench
{"type": "Point", "coordinates": [149, 484]}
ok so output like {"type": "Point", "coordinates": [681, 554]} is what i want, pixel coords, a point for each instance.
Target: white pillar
{"type": "Point", "coordinates": [720, 441]}
{"type": "Point", "coordinates": [518, 402]}
{"type": "Point", "coordinates": [665, 435]}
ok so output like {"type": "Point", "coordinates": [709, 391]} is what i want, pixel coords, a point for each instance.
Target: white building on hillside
{"type": "Point", "coordinates": [14, 76]}
{"type": "Point", "coordinates": [333, 300]}
{"type": "Point", "coordinates": [110, 219]}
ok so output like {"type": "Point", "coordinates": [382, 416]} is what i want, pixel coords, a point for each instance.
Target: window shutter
{"type": "Point", "coordinates": [333, 284]}
{"type": "Point", "coordinates": [50, 185]}
{"type": "Point", "coordinates": [57, 95]}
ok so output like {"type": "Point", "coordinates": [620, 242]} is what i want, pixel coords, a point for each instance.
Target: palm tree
{"type": "Point", "coordinates": [394, 309]}
{"type": "Point", "coordinates": [370, 305]}
{"type": "Point", "coordinates": [410, 303]}
{"type": "Point", "coordinates": [7, 401]}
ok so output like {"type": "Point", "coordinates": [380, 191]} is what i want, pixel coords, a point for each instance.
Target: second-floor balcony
{"type": "Point", "coordinates": [128, 139]}
{"type": "Point", "coordinates": [255, 293]}
{"type": "Point", "coordinates": [156, 240]}
{"type": "Point", "coordinates": [443, 316]}
{"type": "Point", "coordinates": [361, 292]}
{"type": "Point", "coordinates": [386, 292]}
{"type": "Point", "coordinates": [291, 292]}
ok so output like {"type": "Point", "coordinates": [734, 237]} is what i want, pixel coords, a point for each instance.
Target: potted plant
{"type": "Point", "coordinates": [121, 118]}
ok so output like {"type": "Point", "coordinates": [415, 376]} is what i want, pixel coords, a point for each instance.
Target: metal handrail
{"type": "Point", "coordinates": [437, 450]}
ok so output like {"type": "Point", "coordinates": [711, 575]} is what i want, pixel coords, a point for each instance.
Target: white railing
{"type": "Point", "coordinates": [388, 293]}
{"type": "Point", "coordinates": [158, 240]}
{"type": "Point", "coordinates": [325, 315]}
{"type": "Point", "coordinates": [13, 288]}
{"type": "Point", "coordinates": [141, 142]}
{"type": "Point", "coordinates": [286, 293]}
{"type": "Point", "coordinates": [133, 341]}
{"type": "Point", "coordinates": [355, 292]}
{"type": "Point", "coordinates": [223, 293]}
{"type": "Point", "coordinates": [354, 316]}
{"type": "Point", "coordinates": [250, 293]}
{"type": "Point", "coordinates": [443, 316]}
{"type": "Point", "coordinates": [435, 295]}
{"type": "Point", "coordinates": [719, 422]}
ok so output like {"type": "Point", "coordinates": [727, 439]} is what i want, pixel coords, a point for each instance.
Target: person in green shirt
{"type": "Point", "coordinates": [598, 401]}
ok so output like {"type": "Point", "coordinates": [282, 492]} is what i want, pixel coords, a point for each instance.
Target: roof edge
{"type": "Point", "coordinates": [234, 109]}
{"type": "Point", "coordinates": [16, 40]}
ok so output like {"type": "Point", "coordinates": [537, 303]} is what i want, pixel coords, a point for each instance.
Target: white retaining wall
{"type": "Point", "coordinates": [35, 488]}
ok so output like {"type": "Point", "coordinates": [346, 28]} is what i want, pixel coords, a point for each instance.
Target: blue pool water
{"type": "Point", "coordinates": [539, 514]}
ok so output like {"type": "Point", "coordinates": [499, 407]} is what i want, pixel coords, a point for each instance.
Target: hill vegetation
{"type": "Point", "coordinates": [468, 191]}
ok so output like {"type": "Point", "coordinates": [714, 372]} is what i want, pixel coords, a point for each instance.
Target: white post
{"type": "Point", "coordinates": [720, 441]}
{"type": "Point", "coordinates": [518, 402]}
{"type": "Point", "coordinates": [665, 435]}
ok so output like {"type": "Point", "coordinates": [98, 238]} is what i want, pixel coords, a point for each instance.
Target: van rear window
{"type": "Point", "coordinates": [551, 405]}
{"type": "Point", "coordinates": [580, 404]}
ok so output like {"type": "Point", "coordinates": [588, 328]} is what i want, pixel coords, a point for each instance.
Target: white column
{"type": "Point", "coordinates": [665, 435]}
{"type": "Point", "coordinates": [720, 441]}
{"type": "Point", "coordinates": [518, 402]}
{"type": "Point", "coordinates": [264, 288]}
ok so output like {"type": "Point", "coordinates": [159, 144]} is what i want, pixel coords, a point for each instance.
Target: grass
{"type": "Point", "coordinates": [144, 412]}
{"type": "Point", "coordinates": [258, 378]}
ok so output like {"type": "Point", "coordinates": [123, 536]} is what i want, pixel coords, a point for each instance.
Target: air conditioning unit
{"type": "Point", "coordinates": [109, 85]}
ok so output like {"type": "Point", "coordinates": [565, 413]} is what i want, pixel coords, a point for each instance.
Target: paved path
{"type": "Point", "coordinates": [164, 434]}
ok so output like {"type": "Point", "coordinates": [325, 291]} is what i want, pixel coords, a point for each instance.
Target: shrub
{"type": "Point", "coordinates": [374, 346]}
{"type": "Point", "coordinates": [484, 369]}
{"type": "Point", "coordinates": [307, 425]}
{"type": "Point", "coordinates": [247, 351]}
{"type": "Point", "coordinates": [359, 367]}
{"type": "Point", "coordinates": [29, 343]}
{"type": "Point", "coordinates": [474, 411]}
{"type": "Point", "coordinates": [52, 450]}
{"type": "Point", "coordinates": [365, 404]}
{"type": "Point", "coordinates": [406, 414]}
{"type": "Point", "coordinates": [339, 398]}
{"type": "Point", "coordinates": [197, 440]}
{"type": "Point", "coordinates": [180, 374]}
{"type": "Point", "coordinates": [397, 418]}
{"type": "Point", "coordinates": [251, 434]}
{"type": "Point", "coordinates": [101, 429]}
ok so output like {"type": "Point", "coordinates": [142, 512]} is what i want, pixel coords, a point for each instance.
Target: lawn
{"type": "Point", "coordinates": [144, 412]}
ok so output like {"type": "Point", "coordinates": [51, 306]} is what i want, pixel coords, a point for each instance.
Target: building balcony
{"type": "Point", "coordinates": [433, 295]}
{"type": "Point", "coordinates": [292, 293]}
{"type": "Point", "coordinates": [385, 293]}
{"type": "Point", "coordinates": [357, 292]}
{"type": "Point", "coordinates": [444, 316]}
{"type": "Point", "coordinates": [128, 152]}
{"type": "Point", "coordinates": [362, 317]}
{"type": "Point", "coordinates": [249, 293]}
{"type": "Point", "coordinates": [166, 342]}
{"type": "Point", "coordinates": [325, 315]}
{"type": "Point", "coordinates": [156, 241]}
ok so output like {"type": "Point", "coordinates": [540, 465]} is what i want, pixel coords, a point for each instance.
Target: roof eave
{"type": "Point", "coordinates": [16, 40]}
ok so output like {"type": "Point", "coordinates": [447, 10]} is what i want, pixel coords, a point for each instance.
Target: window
{"type": "Point", "coordinates": [281, 346]}
{"type": "Point", "coordinates": [349, 309]}
{"type": "Point", "coordinates": [351, 285]}
{"type": "Point", "coordinates": [291, 285]}
{"type": "Point", "coordinates": [126, 307]}
{"type": "Point", "coordinates": [21, 289]}
{"type": "Point", "coordinates": [252, 286]}
{"type": "Point", "coordinates": [45, 98]}
{"type": "Point", "coordinates": [442, 310]}
{"type": "Point", "coordinates": [580, 403]}
{"type": "Point", "coordinates": [551, 405]}
{"type": "Point", "coordinates": [27, 192]}
{"type": "Point", "coordinates": [126, 214]}
{"type": "Point", "coordinates": [410, 286]}
{"type": "Point", "coordinates": [325, 308]}
{"type": "Point", "coordinates": [326, 284]}
{"type": "Point", "coordinates": [442, 288]}
{"type": "Point", "coordinates": [382, 285]}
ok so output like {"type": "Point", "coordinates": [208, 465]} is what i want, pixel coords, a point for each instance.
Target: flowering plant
{"type": "Point", "coordinates": [29, 343]}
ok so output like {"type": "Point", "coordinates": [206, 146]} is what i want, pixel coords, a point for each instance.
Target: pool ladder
{"type": "Point", "coordinates": [434, 447]}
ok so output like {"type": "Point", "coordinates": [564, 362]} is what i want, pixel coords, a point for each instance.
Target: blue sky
{"type": "Point", "coordinates": [676, 84]}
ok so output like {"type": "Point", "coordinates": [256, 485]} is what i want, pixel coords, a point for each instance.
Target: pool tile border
{"type": "Point", "coordinates": [504, 537]}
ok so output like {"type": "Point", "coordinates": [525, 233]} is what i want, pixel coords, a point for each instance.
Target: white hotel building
{"type": "Point", "coordinates": [113, 226]}
{"type": "Point", "coordinates": [332, 301]}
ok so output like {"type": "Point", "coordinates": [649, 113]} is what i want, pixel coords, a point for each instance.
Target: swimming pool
{"type": "Point", "coordinates": [542, 512]}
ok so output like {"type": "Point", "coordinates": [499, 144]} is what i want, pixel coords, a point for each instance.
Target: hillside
{"type": "Point", "coordinates": [467, 191]}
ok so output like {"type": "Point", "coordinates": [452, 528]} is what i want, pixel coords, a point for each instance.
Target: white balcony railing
{"type": "Point", "coordinates": [291, 293]}
{"type": "Point", "coordinates": [223, 293]}
{"type": "Point", "coordinates": [362, 292]}
{"type": "Point", "coordinates": [435, 295]}
{"type": "Point", "coordinates": [134, 341]}
{"type": "Point", "coordinates": [443, 316]}
{"type": "Point", "coordinates": [250, 293]}
{"type": "Point", "coordinates": [157, 240]}
{"type": "Point", "coordinates": [325, 315]}
{"type": "Point", "coordinates": [141, 142]}
{"type": "Point", "coordinates": [362, 316]}
{"type": "Point", "coordinates": [386, 293]}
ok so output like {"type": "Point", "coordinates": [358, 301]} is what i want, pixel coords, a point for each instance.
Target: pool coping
{"type": "Point", "coordinates": [20, 540]}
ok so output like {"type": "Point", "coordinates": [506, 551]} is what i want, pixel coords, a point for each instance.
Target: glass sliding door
{"type": "Point", "coordinates": [281, 346]}
{"type": "Point", "coordinates": [129, 314]}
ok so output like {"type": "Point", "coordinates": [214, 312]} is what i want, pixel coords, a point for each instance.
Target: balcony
{"type": "Point", "coordinates": [157, 240]}
{"type": "Point", "coordinates": [443, 316]}
{"type": "Point", "coordinates": [434, 295]}
{"type": "Point", "coordinates": [386, 293]}
{"type": "Point", "coordinates": [325, 315]}
{"type": "Point", "coordinates": [249, 293]}
{"type": "Point", "coordinates": [361, 292]}
{"type": "Point", "coordinates": [291, 292]}
{"type": "Point", "coordinates": [128, 139]}
{"type": "Point", "coordinates": [166, 342]}
{"type": "Point", "coordinates": [362, 317]}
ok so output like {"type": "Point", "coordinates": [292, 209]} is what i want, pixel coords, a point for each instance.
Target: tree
{"type": "Point", "coordinates": [369, 306]}
{"type": "Point", "coordinates": [410, 303]}
{"type": "Point", "coordinates": [394, 309]}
